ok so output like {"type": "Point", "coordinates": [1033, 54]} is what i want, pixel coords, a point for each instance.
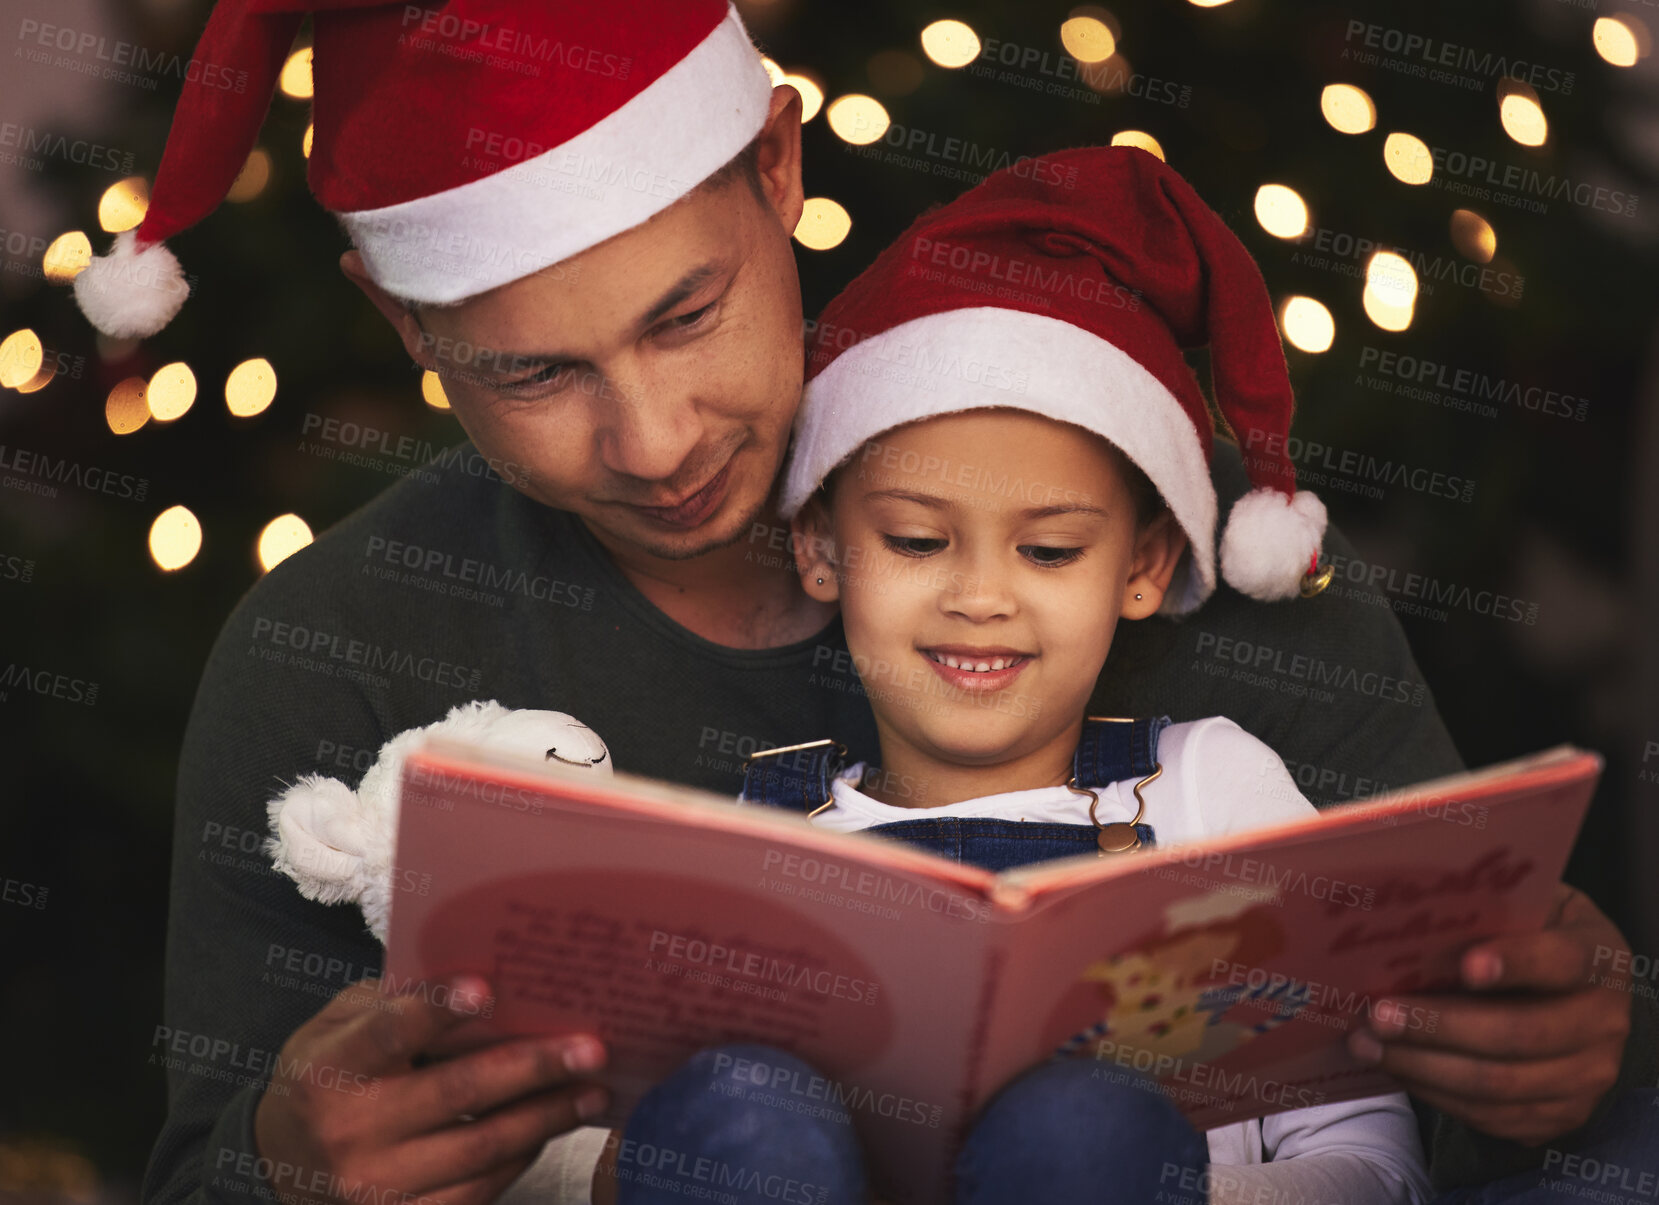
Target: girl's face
{"type": "Point", "coordinates": [982, 561]}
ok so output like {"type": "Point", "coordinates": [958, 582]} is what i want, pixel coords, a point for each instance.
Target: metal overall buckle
{"type": "Point", "coordinates": [1117, 837]}
{"type": "Point", "coordinates": [840, 754]}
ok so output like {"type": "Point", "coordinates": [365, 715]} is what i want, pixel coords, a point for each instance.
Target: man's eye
{"type": "Point", "coordinates": [913, 545]}
{"type": "Point", "coordinates": [1049, 557]}
{"type": "Point", "coordinates": [686, 321]}
{"type": "Point", "coordinates": [549, 374]}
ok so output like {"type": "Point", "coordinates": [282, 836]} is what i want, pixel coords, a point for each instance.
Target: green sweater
{"type": "Point", "coordinates": [440, 591]}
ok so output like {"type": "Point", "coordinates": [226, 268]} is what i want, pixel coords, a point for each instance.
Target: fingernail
{"type": "Point", "coordinates": [1388, 1019]}
{"type": "Point", "coordinates": [467, 994]}
{"type": "Point", "coordinates": [583, 1054]}
{"type": "Point", "coordinates": [1482, 968]}
{"type": "Point", "coordinates": [590, 1104]}
{"type": "Point", "coordinates": [1364, 1047]}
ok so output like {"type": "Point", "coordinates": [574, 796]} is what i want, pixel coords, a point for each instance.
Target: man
{"type": "Point", "coordinates": [592, 248]}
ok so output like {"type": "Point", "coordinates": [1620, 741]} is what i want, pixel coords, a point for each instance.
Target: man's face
{"type": "Point", "coordinates": [647, 384]}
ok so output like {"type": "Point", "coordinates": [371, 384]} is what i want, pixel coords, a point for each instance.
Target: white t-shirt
{"type": "Point", "coordinates": [1217, 779]}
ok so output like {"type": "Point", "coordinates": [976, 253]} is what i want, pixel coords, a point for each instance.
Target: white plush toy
{"type": "Point", "coordinates": [336, 843]}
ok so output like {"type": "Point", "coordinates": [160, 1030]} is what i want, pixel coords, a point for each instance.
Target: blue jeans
{"type": "Point", "coordinates": [708, 1126]}
{"type": "Point", "coordinates": [1070, 1132]}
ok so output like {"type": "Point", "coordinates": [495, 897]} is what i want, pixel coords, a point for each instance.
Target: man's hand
{"type": "Point", "coordinates": [1531, 1063]}
{"type": "Point", "coordinates": [347, 1107]}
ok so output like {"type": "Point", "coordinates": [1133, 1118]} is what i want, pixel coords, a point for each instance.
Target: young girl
{"type": "Point", "coordinates": [1000, 455]}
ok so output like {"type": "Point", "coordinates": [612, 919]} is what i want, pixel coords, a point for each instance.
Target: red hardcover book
{"type": "Point", "coordinates": [666, 919]}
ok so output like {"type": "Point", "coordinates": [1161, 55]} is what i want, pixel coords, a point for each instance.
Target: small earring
{"type": "Point", "coordinates": [1137, 598]}
{"type": "Point", "coordinates": [820, 581]}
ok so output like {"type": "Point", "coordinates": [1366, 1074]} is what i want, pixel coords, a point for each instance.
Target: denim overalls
{"type": "Point", "coordinates": [798, 777]}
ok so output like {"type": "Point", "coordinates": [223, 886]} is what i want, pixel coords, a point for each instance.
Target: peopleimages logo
{"type": "Point", "coordinates": [1472, 385]}
{"type": "Point", "coordinates": [40, 474]}
{"type": "Point", "coordinates": [1523, 187]}
{"type": "Point", "coordinates": [503, 46]}
{"type": "Point", "coordinates": [1437, 60]}
{"type": "Point", "coordinates": [26, 140]}
{"type": "Point", "coordinates": [313, 648]}
{"type": "Point", "coordinates": [1355, 465]}
{"type": "Point", "coordinates": [949, 148]}
{"type": "Point", "coordinates": [1345, 254]}
{"type": "Point", "coordinates": [40, 39]}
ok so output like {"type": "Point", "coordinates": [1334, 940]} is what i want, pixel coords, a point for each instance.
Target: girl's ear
{"type": "Point", "coordinates": [1158, 549]}
{"type": "Point", "coordinates": [814, 550]}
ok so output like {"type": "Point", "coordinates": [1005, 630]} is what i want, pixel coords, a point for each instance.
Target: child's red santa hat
{"type": "Point", "coordinates": [462, 145]}
{"type": "Point", "coordinates": [1068, 285]}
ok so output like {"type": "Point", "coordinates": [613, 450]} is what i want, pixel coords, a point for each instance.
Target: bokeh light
{"type": "Point", "coordinates": [171, 392]}
{"type": "Point", "coordinates": [812, 96]}
{"type": "Point", "coordinates": [1621, 39]}
{"type": "Point", "coordinates": [175, 538]}
{"type": "Point", "coordinates": [773, 71]}
{"type": "Point", "coordinates": [857, 118]}
{"type": "Point", "coordinates": [250, 387]}
{"type": "Point", "coordinates": [1408, 159]}
{"type": "Point", "coordinates": [1522, 116]}
{"type": "Point", "coordinates": [42, 378]}
{"type": "Point", "coordinates": [1209, 3]}
{"type": "Point", "coordinates": [1348, 109]}
{"type": "Point", "coordinates": [68, 255]}
{"type": "Point", "coordinates": [21, 354]}
{"type": "Point", "coordinates": [305, 142]}
{"type": "Point", "coordinates": [254, 176]}
{"type": "Point", "coordinates": [824, 224]}
{"type": "Point", "coordinates": [295, 79]}
{"type": "Point", "coordinates": [126, 409]}
{"type": "Point", "coordinates": [950, 43]}
{"type": "Point", "coordinates": [432, 390]}
{"type": "Point", "coordinates": [1390, 291]}
{"type": "Point", "coordinates": [1087, 39]}
{"type": "Point", "coordinates": [1138, 138]}
{"type": "Point", "coordinates": [1307, 324]}
{"type": "Point", "coordinates": [281, 538]}
{"type": "Point", "coordinates": [1473, 236]}
{"type": "Point", "coordinates": [124, 204]}
{"type": "Point", "coordinates": [1281, 211]}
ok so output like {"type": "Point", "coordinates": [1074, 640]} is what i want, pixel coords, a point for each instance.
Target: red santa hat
{"type": "Point", "coordinates": [1069, 286]}
{"type": "Point", "coordinates": [462, 144]}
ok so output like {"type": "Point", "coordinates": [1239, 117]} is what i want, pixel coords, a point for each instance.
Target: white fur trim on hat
{"type": "Point", "coordinates": [984, 357]}
{"type": "Point", "coordinates": [1269, 540]}
{"type": "Point", "coordinates": [131, 294]}
{"type": "Point", "coordinates": [682, 128]}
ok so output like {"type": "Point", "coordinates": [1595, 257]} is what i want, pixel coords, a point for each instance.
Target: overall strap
{"type": "Point", "coordinates": [796, 777]}
{"type": "Point", "coordinates": [1112, 750]}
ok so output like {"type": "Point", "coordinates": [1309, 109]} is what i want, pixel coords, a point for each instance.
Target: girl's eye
{"type": "Point", "coordinates": [913, 545]}
{"type": "Point", "coordinates": [1049, 558]}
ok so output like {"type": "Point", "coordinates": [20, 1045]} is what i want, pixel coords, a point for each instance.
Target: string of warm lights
{"type": "Point", "coordinates": [1088, 36]}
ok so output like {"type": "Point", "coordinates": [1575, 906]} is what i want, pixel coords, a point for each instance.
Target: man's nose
{"type": "Point", "coordinates": [649, 428]}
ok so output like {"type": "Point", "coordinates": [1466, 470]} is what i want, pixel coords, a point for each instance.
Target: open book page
{"type": "Point", "coordinates": [1232, 970]}
{"type": "Point", "coordinates": [666, 921]}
